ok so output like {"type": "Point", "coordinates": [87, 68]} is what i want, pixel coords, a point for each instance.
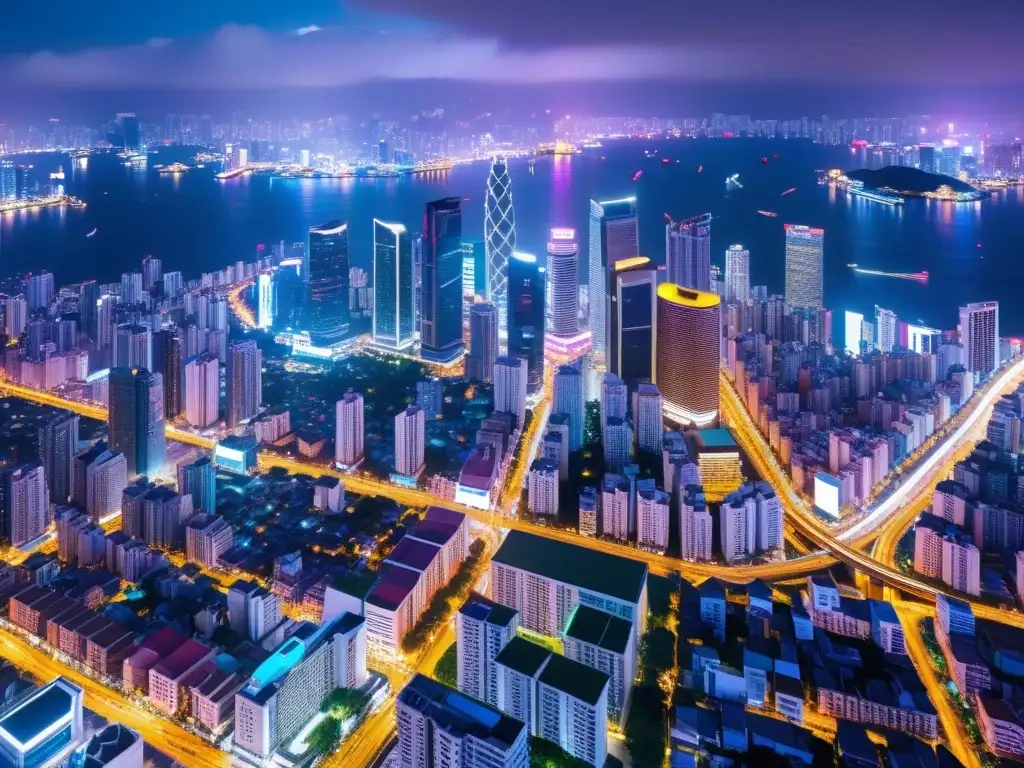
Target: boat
{"type": "Point", "coordinates": [770, 214]}
{"type": "Point", "coordinates": [637, 175]}
{"type": "Point", "coordinates": [917, 277]}
{"type": "Point", "coordinates": [856, 189]}
{"type": "Point", "coordinates": [93, 232]}
{"type": "Point", "coordinates": [789, 191]}
{"type": "Point", "coordinates": [733, 182]}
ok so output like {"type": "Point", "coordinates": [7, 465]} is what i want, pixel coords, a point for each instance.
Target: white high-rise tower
{"type": "Point", "coordinates": [499, 237]}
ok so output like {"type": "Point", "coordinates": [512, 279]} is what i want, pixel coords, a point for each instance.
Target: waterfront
{"type": "Point", "coordinates": [196, 223]}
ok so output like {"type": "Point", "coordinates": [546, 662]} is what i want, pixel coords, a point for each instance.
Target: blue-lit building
{"type": "Point", "coordinates": [41, 727]}
{"type": "Point", "coordinates": [441, 309]}
{"type": "Point", "coordinates": [614, 235]}
{"type": "Point", "coordinates": [394, 310]}
{"type": "Point", "coordinates": [237, 453]}
{"type": "Point", "coordinates": [136, 421]}
{"type": "Point", "coordinates": [326, 274]}
{"type": "Point", "coordinates": [526, 316]}
{"type": "Point", "coordinates": [632, 320]}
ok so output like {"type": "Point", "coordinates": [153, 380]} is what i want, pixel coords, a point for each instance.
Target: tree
{"type": "Point", "coordinates": [325, 736]}
{"type": "Point", "coordinates": [447, 668]}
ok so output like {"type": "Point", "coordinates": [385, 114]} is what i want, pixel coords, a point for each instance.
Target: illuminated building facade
{"type": "Point", "coordinates": [499, 236]}
{"type": "Point", "coordinates": [265, 305]}
{"type": "Point", "coordinates": [442, 275]}
{"type": "Point", "coordinates": [633, 321]}
{"type": "Point", "coordinates": [737, 274]}
{"type": "Point", "coordinates": [136, 421]}
{"type": "Point", "coordinates": [805, 250]}
{"type": "Point", "coordinates": [689, 347]}
{"type": "Point", "coordinates": [526, 316]}
{"type": "Point", "coordinates": [483, 342]}
{"type": "Point", "coordinates": [393, 310]}
{"type": "Point", "coordinates": [979, 334]}
{"type": "Point", "coordinates": [41, 728]}
{"type": "Point", "coordinates": [614, 236]}
{"type": "Point", "coordinates": [327, 280]}
{"type": "Point", "coordinates": [243, 382]}
{"type": "Point", "coordinates": [564, 339]}
{"type": "Point", "coordinates": [688, 252]}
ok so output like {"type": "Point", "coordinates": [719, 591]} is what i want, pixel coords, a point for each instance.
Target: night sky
{"type": "Point", "coordinates": [918, 53]}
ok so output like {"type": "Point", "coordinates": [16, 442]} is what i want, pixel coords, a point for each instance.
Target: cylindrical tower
{"type": "Point", "coordinates": [689, 341]}
{"type": "Point", "coordinates": [564, 279]}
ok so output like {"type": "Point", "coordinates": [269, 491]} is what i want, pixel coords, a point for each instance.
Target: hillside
{"type": "Point", "coordinates": [907, 180]}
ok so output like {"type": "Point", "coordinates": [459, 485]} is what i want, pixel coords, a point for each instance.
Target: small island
{"type": "Point", "coordinates": [913, 182]}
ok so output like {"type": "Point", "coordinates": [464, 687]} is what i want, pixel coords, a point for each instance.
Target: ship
{"type": "Point", "coordinates": [733, 182]}
{"type": "Point", "coordinates": [770, 214]}
{"type": "Point", "coordinates": [917, 277]}
{"type": "Point", "coordinates": [856, 188]}
{"type": "Point", "coordinates": [93, 232]}
{"type": "Point", "coordinates": [173, 168]}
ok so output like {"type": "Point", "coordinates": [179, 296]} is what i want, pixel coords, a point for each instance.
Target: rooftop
{"type": "Point", "coordinates": [414, 554]}
{"type": "Point", "coordinates": [107, 744]}
{"type": "Point", "coordinates": [183, 658]}
{"type": "Point", "coordinates": [39, 710]}
{"type": "Point", "coordinates": [484, 609]}
{"type": "Point", "coordinates": [575, 679]}
{"type": "Point", "coordinates": [393, 588]}
{"type": "Point", "coordinates": [716, 438]}
{"type": "Point", "coordinates": [523, 656]}
{"type": "Point", "coordinates": [594, 627]}
{"type": "Point", "coordinates": [687, 297]}
{"type": "Point", "coordinates": [617, 577]}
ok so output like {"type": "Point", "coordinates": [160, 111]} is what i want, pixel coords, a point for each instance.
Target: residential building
{"type": "Point", "coordinates": [483, 628]}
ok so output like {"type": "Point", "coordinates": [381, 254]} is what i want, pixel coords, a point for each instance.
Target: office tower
{"type": "Point", "coordinates": [567, 398]}
{"type": "Point", "coordinates": [39, 291]}
{"type": "Point", "coordinates": [136, 421]}
{"type": "Point", "coordinates": [131, 288]}
{"type": "Point", "coordinates": [393, 310]}
{"type": "Point", "coordinates": [510, 374]}
{"type": "Point", "coordinates": [648, 418]}
{"type": "Point", "coordinates": [617, 438]}
{"type": "Point", "coordinates": [483, 628]}
{"type": "Point", "coordinates": [441, 307]}
{"type": "Point", "coordinates": [474, 266]}
{"type": "Point", "coordinates": [207, 537]}
{"type": "Point", "coordinates": [885, 326]}
{"type": "Point", "coordinates": [689, 341]}
{"type": "Point", "coordinates": [325, 271]}
{"type": "Point", "coordinates": [751, 522]}
{"type": "Point", "coordinates": [152, 273]}
{"type": "Point", "coordinates": [614, 398]}
{"type": "Point", "coordinates": [266, 301]}
{"type": "Point", "coordinates": [287, 690]}
{"type": "Point", "coordinates": [439, 727]}
{"type": "Point", "coordinates": [168, 358]}
{"type": "Point", "coordinates": [688, 252]}
{"type": "Point", "coordinates": [24, 503]}
{"type": "Point", "coordinates": [8, 181]}
{"type": "Point", "coordinates": [410, 437]}
{"type": "Point", "coordinates": [614, 236]}
{"type": "Point", "coordinates": [483, 342]}
{"type": "Point", "coordinates": [244, 382]}
{"type": "Point", "coordinates": [133, 347]}
{"type": "Point", "coordinates": [805, 253]}
{"type": "Point", "coordinates": [526, 316]}
{"type": "Point", "coordinates": [979, 335]}
{"type": "Point", "coordinates": [58, 444]}
{"type": "Point", "coordinates": [737, 275]}
{"type": "Point", "coordinates": [430, 397]}
{"type": "Point", "coordinates": [499, 236]}
{"type": "Point", "coordinates": [542, 488]}
{"type": "Point", "coordinates": [43, 727]}
{"type": "Point", "coordinates": [652, 513]}
{"type": "Point", "coordinates": [202, 390]}
{"type": "Point", "coordinates": [15, 316]}
{"type": "Point", "coordinates": [199, 480]}
{"type": "Point", "coordinates": [99, 476]}
{"type": "Point", "coordinates": [632, 321]}
{"type": "Point", "coordinates": [106, 310]}
{"type": "Point", "coordinates": [695, 526]}
{"type": "Point", "coordinates": [349, 438]}
{"type": "Point", "coordinates": [564, 338]}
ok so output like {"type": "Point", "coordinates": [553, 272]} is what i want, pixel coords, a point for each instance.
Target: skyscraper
{"type": "Point", "coordinates": [688, 252]}
{"type": "Point", "coordinates": [349, 437]}
{"type": "Point", "coordinates": [199, 480]}
{"type": "Point", "coordinates": [410, 441]}
{"type": "Point", "coordinates": [510, 374]}
{"type": "Point", "coordinates": [202, 390]}
{"type": "Point", "coordinates": [614, 236]}
{"type": "Point", "coordinates": [563, 338]}
{"type": "Point", "coordinates": [499, 235]}
{"type": "Point", "coordinates": [805, 248]}
{"type": "Point", "coordinates": [979, 335]}
{"type": "Point", "coordinates": [266, 301]}
{"type": "Point", "coordinates": [695, 526]}
{"type": "Point", "coordinates": [99, 477]}
{"type": "Point", "coordinates": [632, 320]}
{"type": "Point", "coordinates": [393, 310]}
{"type": "Point", "coordinates": [168, 358]}
{"type": "Point", "coordinates": [526, 316]}
{"type": "Point", "coordinates": [24, 503]}
{"type": "Point", "coordinates": [326, 274]}
{"type": "Point", "coordinates": [885, 327]}
{"type": "Point", "coordinates": [136, 419]}
{"type": "Point", "coordinates": [39, 290]}
{"type": "Point", "coordinates": [567, 398]}
{"type": "Point", "coordinates": [152, 273]}
{"type": "Point", "coordinates": [483, 342]}
{"type": "Point", "coordinates": [689, 344]}
{"type": "Point", "coordinates": [244, 382]}
{"type": "Point", "coordinates": [648, 417]}
{"type": "Point", "coordinates": [131, 288]}
{"type": "Point", "coordinates": [441, 310]}
{"type": "Point", "coordinates": [133, 347]}
{"type": "Point", "coordinates": [58, 444]}
{"type": "Point", "coordinates": [737, 275]}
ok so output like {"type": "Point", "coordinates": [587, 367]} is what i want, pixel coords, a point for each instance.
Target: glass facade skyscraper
{"type": "Point", "coordinates": [688, 252]}
{"type": "Point", "coordinates": [136, 420]}
{"type": "Point", "coordinates": [631, 342]}
{"type": "Point", "coordinates": [805, 248]}
{"type": "Point", "coordinates": [499, 236]}
{"type": "Point", "coordinates": [393, 310]}
{"type": "Point", "coordinates": [526, 316]}
{"type": "Point", "coordinates": [441, 310]}
{"type": "Point", "coordinates": [326, 275]}
{"type": "Point", "coordinates": [614, 236]}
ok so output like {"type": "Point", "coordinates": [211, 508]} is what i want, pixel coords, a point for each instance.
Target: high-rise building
{"type": "Point", "coordinates": [617, 439]}
{"type": "Point", "coordinates": [152, 273]}
{"type": "Point", "coordinates": [632, 321]}
{"type": "Point", "coordinates": [98, 479]}
{"type": "Point", "coordinates": [695, 526]}
{"type": "Point", "coordinates": [410, 441]}
{"type": "Point", "coordinates": [652, 513]}
{"type": "Point", "coordinates": [168, 358]}
{"type": "Point", "coordinates": [24, 503]}
{"type": "Point", "coordinates": [266, 300]}
{"type": "Point", "coordinates": [526, 316]}
{"type": "Point", "coordinates": [564, 339]}
{"type": "Point", "coordinates": [542, 488]}
{"type": "Point", "coordinates": [751, 522]}
{"type": "Point", "coordinates": [199, 480]}
{"type": "Point", "coordinates": [648, 418]}
{"type": "Point", "coordinates": [58, 444]}
{"type": "Point", "coordinates": [349, 438]}
{"type": "Point", "coordinates": [688, 252]}
{"type": "Point", "coordinates": [979, 335]}
{"type": "Point", "coordinates": [43, 727]}
{"type": "Point", "coordinates": [689, 347]}
{"type": "Point", "coordinates": [614, 398]}
{"type": "Point", "coordinates": [39, 290]}
{"type": "Point", "coordinates": [155, 514]}
{"type": "Point", "coordinates": [131, 288]}
{"type": "Point", "coordinates": [614, 236]}
{"type": "Point", "coordinates": [510, 375]}
{"type": "Point", "coordinates": [393, 304]}
{"type": "Point", "coordinates": [483, 628]}
{"type": "Point", "coordinates": [207, 537]}
{"type": "Point", "coordinates": [15, 316]}
{"type": "Point", "coordinates": [202, 390]}
{"type": "Point", "coordinates": [244, 382]}
{"type": "Point", "coordinates": [441, 307]}
{"type": "Point", "coordinates": [499, 236]}
{"type": "Point", "coordinates": [133, 347]}
{"type": "Point", "coordinates": [737, 275]}
{"type": "Point", "coordinates": [567, 398]}
{"type": "Point", "coordinates": [136, 420]}
{"type": "Point", "coordinates": [483, 342]}
{"type": "Point", "coordinates": [885, 326]}
{"type": "Point", "coordinates": [805, 251]}
{"type": "Point", "coordinates": [326, 274]}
